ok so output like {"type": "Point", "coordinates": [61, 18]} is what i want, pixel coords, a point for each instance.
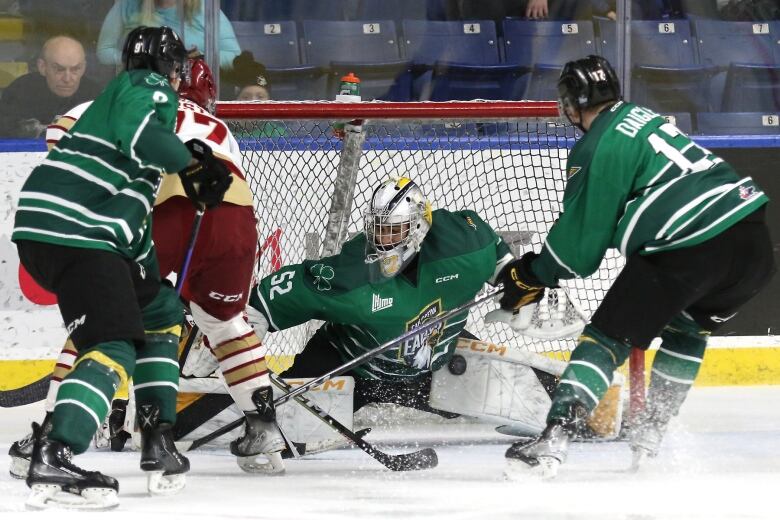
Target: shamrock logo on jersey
{"type": "Point", "coordinates": [322, 275]}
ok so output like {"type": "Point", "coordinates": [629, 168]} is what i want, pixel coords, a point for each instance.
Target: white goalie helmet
{"type": "Point", "coordinates": [396, 222]}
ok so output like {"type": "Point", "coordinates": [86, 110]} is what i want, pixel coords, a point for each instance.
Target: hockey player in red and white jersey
{"type": "Point", "coordinates": [218, 279]}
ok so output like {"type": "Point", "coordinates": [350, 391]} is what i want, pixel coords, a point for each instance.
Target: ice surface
{"type": "Point", "coordinates": [720, 461]}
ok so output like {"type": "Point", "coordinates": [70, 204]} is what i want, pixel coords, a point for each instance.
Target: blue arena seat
{"type": "Point", "coordinates": [662, 42]}
{"type": "Point", "coordinates": [465, 82]}
{"type": "Point", "coordinates": [543, 83]}
{"type": "Point", "coordinates": [774, 28]}
{"type": "Point", "coordinates": [529, 42]}
{"type": "Point", "coordinates": [274, 44]}
{"type": "Point", "coordinates": [468, 42]}
{"type": "Point", "coordinates": [673, 89]}
{"type": "Point", "coordinates": [606, 38]}
{"type": "Point", "coordinates": [369, 49]}
{"type": "Point", "coordinates": [723, 43]}
{"type": "Point", "coordinates": [356, 41]}
{"type": "Point", "coordinates": [739, 123]}
{"type": "Point", "coordinates": [752, 88]}
{"type": "Point", "coordinates": [667, 43]}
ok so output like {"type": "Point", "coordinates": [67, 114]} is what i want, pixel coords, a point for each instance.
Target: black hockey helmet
{"type": "Point", "coordinates": [156, 48]}
{"type": "Point", "coordinates": [587, 82]}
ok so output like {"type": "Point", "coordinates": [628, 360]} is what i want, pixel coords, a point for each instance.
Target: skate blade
{"type": "Point", "coordinates": [272, 465]}
{"type": "Point", "coordinates": [19, 467]}
{"type": "Point", "coordinates": [160, 484]}
{"type": "Point", "coordinates": [517, 470]}
{"type": "Point", "coordinates": [638, 458]}
{"type": "Point", "coordinates": [44, 496]}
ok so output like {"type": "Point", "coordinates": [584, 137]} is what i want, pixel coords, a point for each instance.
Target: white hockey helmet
{"type": "Point", "coordinates": [397, 219]}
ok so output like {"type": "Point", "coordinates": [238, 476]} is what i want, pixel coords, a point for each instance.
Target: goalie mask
{"type": "Point", "coordinates": [397, 219]}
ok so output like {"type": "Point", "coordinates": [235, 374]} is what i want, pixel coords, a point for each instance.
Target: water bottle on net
{"type": "Point", "coordinates": [349, 92]}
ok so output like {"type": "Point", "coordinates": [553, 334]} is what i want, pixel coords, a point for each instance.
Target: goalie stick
{"type": "Point", "coordinates": [346, 367]}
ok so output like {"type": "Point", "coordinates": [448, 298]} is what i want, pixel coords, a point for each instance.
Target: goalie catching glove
{"type": "Point", "coordinates": [206, 181]}
{"type": "Point", "coordinates": [521, 287]}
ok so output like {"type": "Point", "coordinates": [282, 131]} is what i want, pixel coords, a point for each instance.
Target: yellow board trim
{"type": "Point", "coordinates": [721, 367]}
{"type": "Point", "coordinates": [18, 373]}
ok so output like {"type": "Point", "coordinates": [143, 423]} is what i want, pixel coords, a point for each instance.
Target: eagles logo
{"type": "Point", "coordinates": [426, 339]}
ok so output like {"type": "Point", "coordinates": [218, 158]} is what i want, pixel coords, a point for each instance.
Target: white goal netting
{"type": "Point", "coordinates": [311, 186]}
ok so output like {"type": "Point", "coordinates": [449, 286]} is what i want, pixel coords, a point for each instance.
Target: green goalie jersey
{"type": "Point", "coordinates": [459, 254]}
{"type": "Point", "coordinates": [637, 184]}
{"type": "Point", "coordinates": [96, 187]}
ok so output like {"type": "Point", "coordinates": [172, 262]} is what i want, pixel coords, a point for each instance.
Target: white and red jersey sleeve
{"type": "Point", "coordinates": [194, 122]}
{"type": "Point", "coordinates": [63, 124]}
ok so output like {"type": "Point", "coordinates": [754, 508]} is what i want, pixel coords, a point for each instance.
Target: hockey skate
{"type": "Point", "coordinates": [664, 399]}
{"type": "Point", "coordinates": [539, 457]}
{"type": "Point", "coordinates": [21, 451]}
{"type": "Point", "coordinates": [645, 439]}
{"type": "Point", "coordinates": [56, 482]}
{"type": "Point", "coordinates": [161, 460]}
{"type": "Point", "coordinates": [262, 437]}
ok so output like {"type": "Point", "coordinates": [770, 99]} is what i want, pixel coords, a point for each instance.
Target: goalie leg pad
{"type": "Point", "coordinates": [512, 388]}
{"type": "Point", "coordinates": [499, 385]}
{"type": "Point", "coordinates": [336, 397]}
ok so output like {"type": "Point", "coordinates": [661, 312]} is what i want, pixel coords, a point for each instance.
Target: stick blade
{"type": "Point", "coordinates": [423, 459]}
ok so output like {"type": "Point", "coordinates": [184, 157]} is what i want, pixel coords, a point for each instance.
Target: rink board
{"type": "Point", "coordinates": [31, 336]}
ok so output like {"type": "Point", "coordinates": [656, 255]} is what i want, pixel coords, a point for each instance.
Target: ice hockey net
{"type": "Point", "coordinates": [504, 160]}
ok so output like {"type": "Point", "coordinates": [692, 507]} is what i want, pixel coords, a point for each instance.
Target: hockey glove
{"type": "Point", "coordinates": [521, 287]}
{"type": "Point", "coordinates": [206, 181]}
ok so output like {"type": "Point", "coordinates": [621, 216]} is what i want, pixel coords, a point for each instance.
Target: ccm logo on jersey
{"type": "Point", "coordinates": [446, 278]}
{"type": "Point", "coordinates": [73, 325]}
{"type": "Point", "coordinates": [227, 298]}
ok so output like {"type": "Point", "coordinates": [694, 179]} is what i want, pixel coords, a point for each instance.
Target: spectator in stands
{"type": "Point", "coordinates": [127, 14]}
{"type": "Point", "coordinates": [36, 99]}
{"type": "Point", "coordinates": [248, 81]}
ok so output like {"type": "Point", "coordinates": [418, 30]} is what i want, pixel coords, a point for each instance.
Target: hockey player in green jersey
{"type": "Point", "coordinates": [696, 245]}
{"type": "Point", "coordinates": [409, 265]}
{"type": "Point", "coordinates": [83, 232]}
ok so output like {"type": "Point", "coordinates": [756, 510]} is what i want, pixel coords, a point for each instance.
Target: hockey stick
{"type": "Point", "coordinates": [185, 266]}
{"type": "Point", "coordinates": [422, 459]}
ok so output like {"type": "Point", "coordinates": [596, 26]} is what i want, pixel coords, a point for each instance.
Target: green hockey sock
{"type": "Point", "coordinates": [84, 396]}
{"type": "Point", "coordinates": [588, 374]}
{"type": "Point", "coordinates": [679, 358]}
{"type": "Point", "coordinates": [156, 379]}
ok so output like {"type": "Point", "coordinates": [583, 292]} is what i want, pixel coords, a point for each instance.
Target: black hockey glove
{"type": "Point", "coordinates": [521, 287]}
{"type": "Point", "coordinates": [206, 181]}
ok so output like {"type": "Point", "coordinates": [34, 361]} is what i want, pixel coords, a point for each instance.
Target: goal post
{"type": "Point", "coordinates": [312, 167]}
